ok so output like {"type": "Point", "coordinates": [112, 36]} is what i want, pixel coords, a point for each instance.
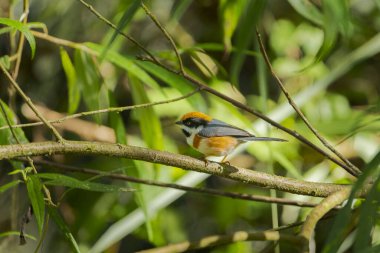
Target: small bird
{"type": "Point", "coordinates": [213, 137]}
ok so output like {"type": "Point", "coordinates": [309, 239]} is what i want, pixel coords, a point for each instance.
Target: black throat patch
{"type": "Point", "coordinates": [186, 133]}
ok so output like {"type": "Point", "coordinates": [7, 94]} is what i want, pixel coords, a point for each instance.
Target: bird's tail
{"type": "Point", "coordinates": [254, 138]}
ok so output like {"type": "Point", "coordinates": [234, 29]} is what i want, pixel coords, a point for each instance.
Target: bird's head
{"type": "Point", "coordinates": [193, 122]}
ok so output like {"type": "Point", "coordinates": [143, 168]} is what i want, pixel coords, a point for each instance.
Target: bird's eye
{"type": "Point", "coordinates": [188, 123]}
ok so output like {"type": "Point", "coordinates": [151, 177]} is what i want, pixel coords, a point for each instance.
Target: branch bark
{"type": "Point", "coordinates": [185, 162]}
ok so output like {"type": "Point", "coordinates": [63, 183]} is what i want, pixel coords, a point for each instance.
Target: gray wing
{"type": "Point", "coordinates": [220, 128]}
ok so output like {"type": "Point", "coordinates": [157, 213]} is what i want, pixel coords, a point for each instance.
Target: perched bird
{"type": "Point", "coordinates": [213, 137]}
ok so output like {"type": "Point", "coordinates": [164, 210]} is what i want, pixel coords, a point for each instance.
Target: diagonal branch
{"type": "Point", "coordinates": [352, 167]}
{"type": "Point", "coordinates": [167, 35]}
{"type": "Point", "coordinates": [109, 23]}
{"type": "Point", "coordinates": [106, 110]}
{"type": "Point", "coordinates": [161, 157]}
{"type": "Point", "coordinates": [30, 104]}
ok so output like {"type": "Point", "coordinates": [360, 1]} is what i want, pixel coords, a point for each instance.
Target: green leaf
{"type": "Point", "coordinates": [229, 12]}
{"type": "Point", "coordinates": [9, 185]}
{"type": "Point", "coordinates": [6, 136]}
{"type": "Point", "coordinates": [126, 63]}
{"type": "Point", "coordinates": [306, 9]}
{"type": "Point", "coordinates": [150, 124]}
{"type": "Point", "coordinates": [72, 88]}
{"type": "Point", "coordinates": [176, 82]}
{"type": "Point", "coordinates": [62, 180]}
{"type": "Point", "coordinates": [116, 122]}
{"type": "Point", "coordinates": [24, 29]}
{"type": "Point", "coordinates": [36, 197]}
{"type": "Point", "coordinates": [245, 34]}
{"type": "Point", "coordinates": [17, 233]}
{"type": "Point", "coordinates": [88, 81]}
{"type": "Point", "coordinates": [343, 218]}
{"type": "Point", "coordinates": [336, 19]}
{"type": "Point", "coordinates": [178, 9]}
{"type": "Point", "coordinates": [124, 21]}
{"type": "Point", "coordinates": [57, 218]}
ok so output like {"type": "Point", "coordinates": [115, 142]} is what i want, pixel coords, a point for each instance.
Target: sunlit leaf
{"type": "Point", "coordinates": [36, 197]}
{"type": "Point", "coordinates": [72, 88]}
{"type": "Point", "coordinates": [62, 180]}
{"type": "Point", "coordinates": [23, 28]}
{"type": "Point", "coordinates": [174, 81]}
{"type": "Point", "coordinates": [62, 226]}
{"type": "Point", "coordinates": [149, 122]}
{"type": "Point", "coordinates": [9, 185]}
{"type": "Point", "coordinates": [127, 63]}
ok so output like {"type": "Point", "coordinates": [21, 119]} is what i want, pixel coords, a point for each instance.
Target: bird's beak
{"type": "Point", "coordinates": [179, 122]}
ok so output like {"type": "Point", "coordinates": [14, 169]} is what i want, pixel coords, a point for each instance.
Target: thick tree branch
{"type": "Point", "coordinates": [161, 157]}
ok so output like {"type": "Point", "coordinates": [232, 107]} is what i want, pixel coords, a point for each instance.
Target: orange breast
{"type": "Point", "coordinates": [215, 146]}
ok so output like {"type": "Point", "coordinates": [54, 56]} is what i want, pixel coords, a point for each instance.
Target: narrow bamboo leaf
{"type": "Point", "coordinates": [126, 63]}
{"type": "Point", "coordinates": [36, 197]}
{"type": "Point", "coordinates": [178, 9]}
{"type": "Point", "coordinates": [57, 218]}
{"type": "Point", "coordinates": [336, 19]}
{"type": "Point", "coordinates": [306, 9]}
{"type": "Point", "coordinates": [23, 28]}
{"type": "Point", "coordinates": [62, 180]}
{"type": "Point", "coordinates": [367, 217]}
{"type": "Point", "coordinates": [124, 21]}
{"type": "Point", "coordinates": [116, 122]}
{"type": "Point", "coordinates": [174, 81]}
{"type": "Point", "coordinates": [229, 12]}
{"type": "Point", "coordinates": [335, 237]}
{"type": "Point", "coordinates": [245, 34]}
{"type": "Point", "coordinates": [17, 233]}
{"type": "Point", "coordinates": [6, 136]}
{"type": "Point", "coordinates": [149, 122]}
{"type": "Point", "coordinates": [72, 88]}
{"type": "Point", "coordinates": [88, 81]}
{"type": "Point", "coordinates": [9, 185]}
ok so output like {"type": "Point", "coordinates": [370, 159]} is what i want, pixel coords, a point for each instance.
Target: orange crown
{"type": "Point", "coordinates": [196, 115]}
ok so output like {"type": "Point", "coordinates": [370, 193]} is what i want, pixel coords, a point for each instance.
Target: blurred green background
{"type": "Point", "coordinates": [326, 53]}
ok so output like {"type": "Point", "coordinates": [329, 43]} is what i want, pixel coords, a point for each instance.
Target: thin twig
{"type": "Point", "coordinates": [109, 23]}
{"type": "Point", "coordinates": [30, 104]}
{"type": "Point", "coordinates": [352, 167]}
{"type": "Point", "coordinates": [209, 191]}
{"type": "Point", "coordinates": [166, 34]}
{"type": "Point", "coordinates": [106, 110]}
{"type": "Point", "coordinates": [247, 176]}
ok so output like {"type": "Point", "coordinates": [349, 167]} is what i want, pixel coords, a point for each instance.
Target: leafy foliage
{"type": "Point", "coordinates": [325, 52]}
